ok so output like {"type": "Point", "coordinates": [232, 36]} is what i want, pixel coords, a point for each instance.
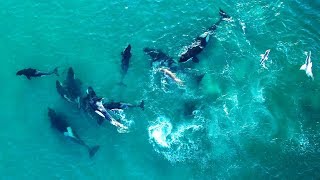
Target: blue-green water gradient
{"type": "Point", "coordinates": [248, 123]}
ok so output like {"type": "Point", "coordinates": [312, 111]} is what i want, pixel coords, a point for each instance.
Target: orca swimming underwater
{"type": "Point", "coordinates": [126, 55]}
{"type": "Point", "coordinates": [308, 66]}
{"type": "Point", "coordinates": [163, 60]}
{"type": "Point", "coordinates": [73, 84]}
{"type": "Point", "coordinates": [188, 108]}
{"type": "Point", "coordinates": [62, 91]}
{"type": "Point", "coordinates": [120, 105]}
{"type": "Point", "coordinates": [71, 88]}
{"type": "Point", "coordinates": [199, 78]}
{"type": "Point", "coordinates": [201, 41]}
{"type": "Point", "coordinates": [59, 123]}
{"type": "Point", "coordinates": [30, 72]}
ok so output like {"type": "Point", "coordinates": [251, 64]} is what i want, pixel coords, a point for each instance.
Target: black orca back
{"type": "Point", "coordinates": [156, 54]}
{"type": "Point", "coordinates": [72, 85]}
{"type": "Point", "coordinates": [126, 55]}
{"type": "Point", "coordinates": [90, 92]}
{"type": "Point", "coordinates": [60, 89]}
{"type": "Point", "coordinates": [159, 56]}
{"type": "Point", "coordinates": [57, 121]}
{"type": "Point", "coordinates": [112, 105]}
{"type": "Point", "coordinates": [127, 52]}
{"type": "Point", "coordinates": [27, 72]}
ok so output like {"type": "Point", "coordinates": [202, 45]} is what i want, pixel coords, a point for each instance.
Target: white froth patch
{"type": "Point", "coordinates": [175, 145]}
{"type": "Point", "coordinates": [225, 109]}
{"type": "Point", "coordinates": [159, 133]}
{"type": "Point", "coordinates": [243, 26]}
{"type": "Point", "coordinates": [120, 115]}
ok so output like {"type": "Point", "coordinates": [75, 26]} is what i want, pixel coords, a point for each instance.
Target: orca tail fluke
{"type": "Point", "coordinates": [93, 151]}
{"type": "Point", "coordinates": [223, 14]}
{"type": "Point", "coordinates": [55, 71]}
{"type": "Point", "coordinates": [142, 105]}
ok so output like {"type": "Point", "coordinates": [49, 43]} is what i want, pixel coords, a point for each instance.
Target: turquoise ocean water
{"type": "Point", "coordinates": [248, 122]}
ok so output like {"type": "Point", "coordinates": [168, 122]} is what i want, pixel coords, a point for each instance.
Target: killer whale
{"type": "Point", "coordinates": [59, 123]}
{"type": "Point", "coordinates": [121, 105]}
{"type": "Point", "coordinates": [163, 60]}
{"type": "Point", "coordinates": [201, 41]}
{"type": "Point", "coordinates": [30, 72]}
{"type": "Point", "coordinates": [71, 88]}
{"type": "Point", "coordinates": [126, 55]}
{"type": "Point", "coordinates": [94, 104]}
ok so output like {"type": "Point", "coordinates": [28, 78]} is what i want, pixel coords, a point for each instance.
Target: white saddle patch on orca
{"type": "Point", "coordinates": [100, 113]}
{"type": "Point", "coordinates": [69, 133]}
{"type": "Point", "coordinates": [207, 38]}
{"type": "Point", "coordinates": [100, 106]}
{"type": "Point", "coordinates": [205, 35]}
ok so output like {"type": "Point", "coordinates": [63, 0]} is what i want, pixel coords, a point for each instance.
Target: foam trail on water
{"type": "Point", "coordinates": [119, 113]}
{"type": "Point", "coordinates": [160, 131]}
{"type": "Point", "coordinates": [177, 144]}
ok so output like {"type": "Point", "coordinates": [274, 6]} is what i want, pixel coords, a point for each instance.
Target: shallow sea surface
{"type": "Point", "coordinates": [241, 122]}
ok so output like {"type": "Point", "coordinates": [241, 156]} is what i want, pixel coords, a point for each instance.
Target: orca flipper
{"type": "Point", "coordinates": [303, 67]}
{"type": "Point", "coordinates": [29, 77]}
{"type": "Point", "coordinates": [93, 150]}
{"type": "Point", "coordinates": [223, 14]}
{"type": "Point", "coordinates": [195, 59]}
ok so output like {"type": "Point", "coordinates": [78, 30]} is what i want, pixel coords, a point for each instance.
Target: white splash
{"type": "Point", "coordinates": [243, 27]}
{"type": "Point", "coordinates": [160, 132]}
{"type": "Point", "coordinates": [121, 116]}
{"type": "Point", "coordinates": [175, 145]}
